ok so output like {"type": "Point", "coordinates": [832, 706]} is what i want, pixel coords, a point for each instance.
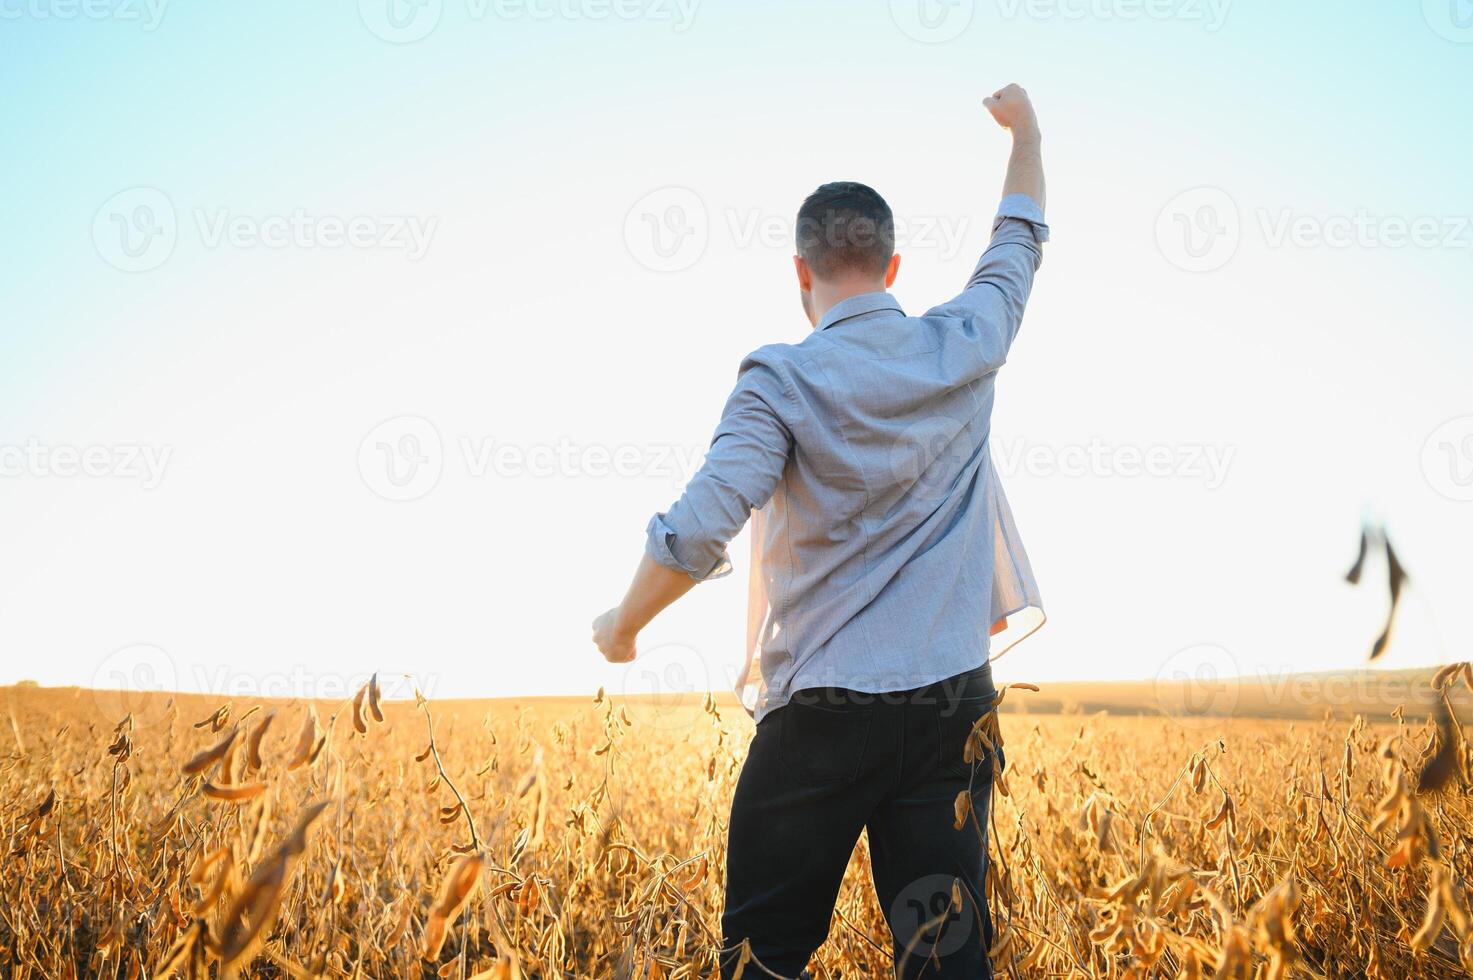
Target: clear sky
{"type": "Point", "coordinates": [269, 266]}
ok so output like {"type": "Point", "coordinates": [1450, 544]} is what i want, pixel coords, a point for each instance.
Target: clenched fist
{"type": "Point", "coordinates": [616, 647]}
{"type": "Point", "coordinates": [1013, 110]}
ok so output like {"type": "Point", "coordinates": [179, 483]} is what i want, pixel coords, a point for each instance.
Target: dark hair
{"type": "Point", "coordinates": [845, 227]}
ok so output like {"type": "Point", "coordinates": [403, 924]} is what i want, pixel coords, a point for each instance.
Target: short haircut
{"type": "Point", "coordinates": [846, 228]}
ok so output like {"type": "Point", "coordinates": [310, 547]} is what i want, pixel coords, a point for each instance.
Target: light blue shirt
{"type": "Point", "coordinates": [886, 547]}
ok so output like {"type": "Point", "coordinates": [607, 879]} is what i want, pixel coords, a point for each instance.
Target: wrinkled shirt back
{"type": "Point", "coordinates": [885, 556]}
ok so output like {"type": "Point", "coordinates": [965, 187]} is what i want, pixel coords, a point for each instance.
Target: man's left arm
{"type": "Point", "coordinates": [688, 543]}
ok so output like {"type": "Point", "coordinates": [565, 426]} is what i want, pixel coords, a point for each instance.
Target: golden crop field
{"type": "Point", "coordinates": [149, 836]}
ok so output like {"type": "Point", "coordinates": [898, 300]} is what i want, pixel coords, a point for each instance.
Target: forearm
{"type": "Point", "coordinates": [1025, 166]}
{"type": "Point", "coordinates": [1013, 110]}
{"type": "Point", "coordinates": [654, 587]}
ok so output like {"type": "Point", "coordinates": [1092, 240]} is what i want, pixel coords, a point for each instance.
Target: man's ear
{"type": "Point", "coordinates": [892, 270]}
{"type": "Point", "coordinates": [805, 274]}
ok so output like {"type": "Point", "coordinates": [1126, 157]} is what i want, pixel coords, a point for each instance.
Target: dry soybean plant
{"type": "Point", "coordinates": [552, 838]}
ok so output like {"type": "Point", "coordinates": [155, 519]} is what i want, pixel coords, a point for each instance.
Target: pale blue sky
{"type": "Point", "coordinates": [524, 148]}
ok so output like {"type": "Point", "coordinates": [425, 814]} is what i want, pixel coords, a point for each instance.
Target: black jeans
{"type": "Point", "coordinates": [832, 763]}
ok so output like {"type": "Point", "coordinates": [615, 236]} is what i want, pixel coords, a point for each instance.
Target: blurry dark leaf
{"type": "Point", "coordinates": [1383, 641]}
{"type": "Point", "coordinates": [1396, 579]}
{"type": "Point", "coordinates": [1353, 576]}
{"type": "Point", "coordinates": [1443, 764]}
{"type": "Point", "coordinates": [1397, 573]}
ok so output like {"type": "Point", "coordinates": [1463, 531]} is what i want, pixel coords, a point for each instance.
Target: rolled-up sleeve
{"type": "Point", "coordinates": [997, 292]}
{"type": "Point", "coordinates": [740, 473]}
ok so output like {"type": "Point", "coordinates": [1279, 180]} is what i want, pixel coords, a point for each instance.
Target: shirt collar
{"type": "Point", "coordinates": [865, 303]}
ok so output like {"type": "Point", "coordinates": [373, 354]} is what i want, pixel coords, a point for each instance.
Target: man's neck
{"type": "Point", "coordinates": [826, 296]}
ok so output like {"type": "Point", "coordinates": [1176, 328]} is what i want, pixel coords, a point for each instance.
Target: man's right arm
{"type": "Point", "coordinates": [1013, 111]}
{"type": "Point", "coordinates": [996, 294]}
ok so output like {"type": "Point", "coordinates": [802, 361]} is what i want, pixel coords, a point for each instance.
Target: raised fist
{"type": "Point", "coordinates": [1012, 109]}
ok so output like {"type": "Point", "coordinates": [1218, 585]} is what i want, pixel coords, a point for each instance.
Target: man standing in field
{"type": "Point", "coordinates": [887, 557]}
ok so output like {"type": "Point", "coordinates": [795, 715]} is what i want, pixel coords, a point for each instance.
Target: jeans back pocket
{"type": "Point", "coordinates": [823, 740]}
{"type": "Point", "coordinates": [955, 721]}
